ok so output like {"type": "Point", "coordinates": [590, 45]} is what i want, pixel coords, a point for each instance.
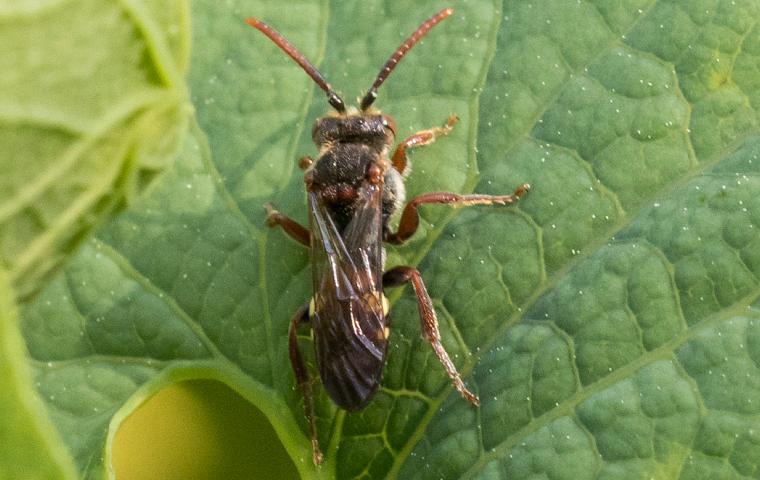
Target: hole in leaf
{"type": "Point", "coordinates": [199, 429]}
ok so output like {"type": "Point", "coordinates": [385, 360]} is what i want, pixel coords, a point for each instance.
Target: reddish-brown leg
{"type": "Point", "coordinates": [304, 379]}
{"type": "Point", "coordinates": [410, 218]}
{"type": "Point", "coordinates": [425, 137]}
{"type": "Point", "coordinates": [305, 162]}
{"type": "Point", "coordinates": [295, 230]}
{"type": "Point", "coordinates": [400, 275]}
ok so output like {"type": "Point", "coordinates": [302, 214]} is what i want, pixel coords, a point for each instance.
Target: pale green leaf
{"type": "Point", "coordinates": [31, 447]}
{"type": "Point", "coordinates": [92, 105]}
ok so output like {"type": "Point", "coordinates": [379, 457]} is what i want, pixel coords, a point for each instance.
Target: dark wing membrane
{"type": "Point", "coordinates": [348, 319]}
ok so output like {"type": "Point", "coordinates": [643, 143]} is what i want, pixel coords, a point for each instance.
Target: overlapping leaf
{"type": "Point", "coordinates": [92, 102]}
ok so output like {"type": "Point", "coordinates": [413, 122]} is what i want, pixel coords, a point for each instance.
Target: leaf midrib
{"type": "Point", "coordinates": [158, 50]}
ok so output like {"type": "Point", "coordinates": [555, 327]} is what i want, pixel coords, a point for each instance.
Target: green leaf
{"type": "Point", "coordinates": [92, 105]}
{"type": "Point", "coordinates": [610, 322]}
{"type": "Point", "coordinates": [32, 448]}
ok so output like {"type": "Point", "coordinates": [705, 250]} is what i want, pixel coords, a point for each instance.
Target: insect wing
{"type": "Point", "coordinates": [348, 318]}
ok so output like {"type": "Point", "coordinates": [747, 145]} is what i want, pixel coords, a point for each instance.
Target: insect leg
{"type": "Point", "coordinates": [295, 230]}
{"type": "Point", "coordinates": [419, 139]}
{"type": "Point", "coordinates": [304, 379]}
{"type": "Point", "coordinates": [305, 162]}
{"type": "Point", "coordinates": [398, 276]}
{"type": "Point", "coordinates": [410, 218]}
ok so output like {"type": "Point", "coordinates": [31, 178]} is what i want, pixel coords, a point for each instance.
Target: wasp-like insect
{"type": "Point", "coordinates": [353, 188]}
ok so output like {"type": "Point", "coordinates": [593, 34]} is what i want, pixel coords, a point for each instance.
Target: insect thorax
{"type": "Point", "coordinates": [348, 146]}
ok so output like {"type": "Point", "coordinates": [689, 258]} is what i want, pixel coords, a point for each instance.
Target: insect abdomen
{"type": "Point", "coordinates": [351, 351]}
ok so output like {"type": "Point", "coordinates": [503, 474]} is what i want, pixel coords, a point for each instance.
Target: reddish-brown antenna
{"type": "Point", "coordinates": [415, 37]}
{"type": "Point", "coordinates": [287, 47]}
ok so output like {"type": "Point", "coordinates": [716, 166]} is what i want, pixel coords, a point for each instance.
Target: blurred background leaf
{"type": "Point", "coordinates": [92, 105]}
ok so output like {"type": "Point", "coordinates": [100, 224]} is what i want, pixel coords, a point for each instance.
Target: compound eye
{"type": "Point", "coordinates": [323, 130]}
{"type": "Point", "coordinates": [317, 132]}
{"type": "Point", "coordinates": [389, 123]}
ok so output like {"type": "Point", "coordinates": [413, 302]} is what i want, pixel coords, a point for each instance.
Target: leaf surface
{"type": "Point", "coordinates": [609, 322]}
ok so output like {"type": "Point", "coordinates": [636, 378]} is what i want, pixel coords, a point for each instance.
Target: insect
{"type": "Point", "coordinates": [353, 187]}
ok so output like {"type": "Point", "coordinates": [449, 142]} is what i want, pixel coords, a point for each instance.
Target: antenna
{"type": "Point", "coordinates": [415, 37]}
{"type": "Point", "coordinates": [311, 70]}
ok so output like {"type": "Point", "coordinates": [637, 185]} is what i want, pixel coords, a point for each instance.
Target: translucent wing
{"type": "Point", "coordinates": [347, 318]}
